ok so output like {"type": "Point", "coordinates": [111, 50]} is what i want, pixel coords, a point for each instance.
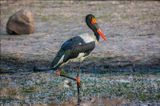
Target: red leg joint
{"type": "Point", "coordinates": [78, 81]}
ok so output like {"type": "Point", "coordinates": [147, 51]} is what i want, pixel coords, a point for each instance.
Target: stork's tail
{"type": "Point", "coordinates": [54, 65]}
{"type": "Point", "coordinates": [36, 69]}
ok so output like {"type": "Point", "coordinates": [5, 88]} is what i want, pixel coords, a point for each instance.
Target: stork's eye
{"type": "Point", "coordinates": [93, 21]}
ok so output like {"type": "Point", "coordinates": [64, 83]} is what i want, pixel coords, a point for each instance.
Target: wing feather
{"type": "Point", "coordinates": [71, 49]}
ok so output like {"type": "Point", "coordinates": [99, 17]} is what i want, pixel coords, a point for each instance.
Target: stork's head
{"type": "Point", "coordinates": [92, 23]}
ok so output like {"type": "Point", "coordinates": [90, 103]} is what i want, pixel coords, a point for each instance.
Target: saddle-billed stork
{"type": "Point", "coordinates": [76, 49]}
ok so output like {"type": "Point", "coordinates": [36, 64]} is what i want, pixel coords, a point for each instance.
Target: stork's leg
{"type": "Point", "coordinates": [77, 79]}
{"type": "Point", "coordinates": [58, 73]}
{"type": "Point", "coordinates": [78, 89]}
{"type": "Point", "coordinates": [78, 84]}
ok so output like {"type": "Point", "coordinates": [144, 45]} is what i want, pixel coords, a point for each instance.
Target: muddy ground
{"type": "Point", "coordinates": [133, 41]}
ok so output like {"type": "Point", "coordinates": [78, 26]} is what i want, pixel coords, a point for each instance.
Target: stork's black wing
{"type": "Point", "coordinates": [71, 49]}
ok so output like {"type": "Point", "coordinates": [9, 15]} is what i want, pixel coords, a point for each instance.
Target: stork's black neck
{"type": "Point", "coordinates": [97, 36]}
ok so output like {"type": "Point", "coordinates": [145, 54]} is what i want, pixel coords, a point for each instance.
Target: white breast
{"type": "Point", "coordinates": [87, 38]}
